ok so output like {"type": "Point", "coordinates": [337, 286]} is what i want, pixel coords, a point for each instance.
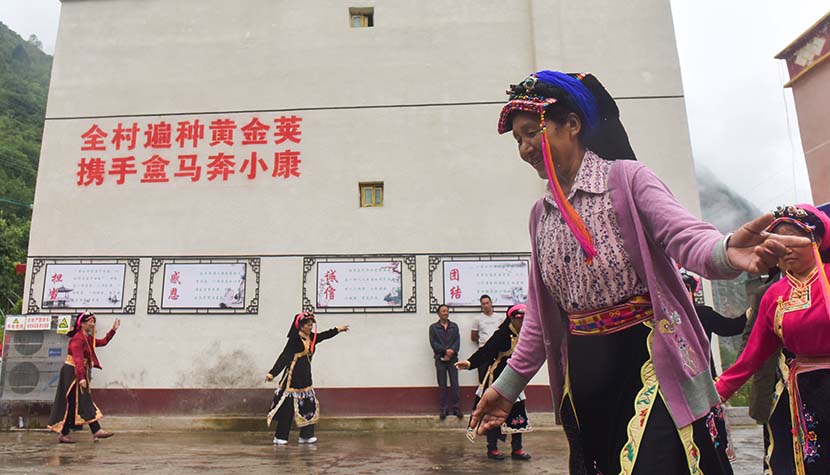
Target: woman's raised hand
{"type": "Point", "coordinates": [755, 250]}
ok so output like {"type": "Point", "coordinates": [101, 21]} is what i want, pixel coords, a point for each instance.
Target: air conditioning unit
{"type": "Point", "coordinates": [36, 344]}
{"type": "Point", "coordinates": [32, 361]}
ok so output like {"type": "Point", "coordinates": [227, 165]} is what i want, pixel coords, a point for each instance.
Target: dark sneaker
{"type": "Point", "coordinates": [443, 415]}
{"type": "Point", "coordinates": [457, 413]}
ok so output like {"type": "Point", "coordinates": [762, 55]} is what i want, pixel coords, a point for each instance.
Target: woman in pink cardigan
{"type": "Point", "coordinates": [628, 360]}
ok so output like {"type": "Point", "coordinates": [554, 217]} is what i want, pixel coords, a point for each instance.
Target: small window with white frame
{"type": "Point", "coordinates": [363, 17]}
{"type": "Point", "coordinates": [371, 194]}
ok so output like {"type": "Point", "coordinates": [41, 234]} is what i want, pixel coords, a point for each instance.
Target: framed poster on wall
{"type": "Point", "coordinates": [460, 280]}
{"type": "Point", "coordinates": [73, 285]}
{"type": "Point", "coordinates": [204, 285]}
{"type": "Point", "coordinates": [359, 284]}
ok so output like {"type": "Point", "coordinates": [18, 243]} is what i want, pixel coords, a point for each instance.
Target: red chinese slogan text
{"type": "Point", "coordinates": [170, 151]}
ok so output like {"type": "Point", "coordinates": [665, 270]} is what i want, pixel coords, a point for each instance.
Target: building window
{"type": "Point", "coordinates": [371, 195]}
{"type": "Point", "coordinates": [362, 17]}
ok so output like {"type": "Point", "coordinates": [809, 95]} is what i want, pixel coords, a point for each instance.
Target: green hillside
{"type": "Point", "coordinates": [24, 83]}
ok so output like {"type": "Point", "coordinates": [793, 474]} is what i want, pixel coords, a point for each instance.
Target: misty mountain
{"type": "Point", "coordinates": [720, 205]}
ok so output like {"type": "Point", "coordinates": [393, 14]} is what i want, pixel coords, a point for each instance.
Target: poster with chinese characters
{"type": "Point", "coordinates": [15, 323]}
{"type": "Point", "coordinates": [83, 286]}
{"type": "Point", "coordinates": [504, 281]}
{"type": "Point", "coordinates": [215, 285]}
{"type": "Point", "coordinates": [38, 322]}
{"type": "Point", "coordinates": [359, 284]}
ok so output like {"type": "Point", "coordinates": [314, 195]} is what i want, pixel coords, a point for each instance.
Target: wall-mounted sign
{"type": "Point", "coordinates": [15, 323]}
{"type": "Point", "coordinates": [463, 279]}
{"type": "Point", "coordinates": [63, 324]}
{"type": "Point", "coordinates": [359, 284]}
{"type": "Point", "coordinates": [71, 285]}
{"type": "Point", "coordinates": [38, 322]}
{"type": "Point", "coordinates": [212, 285]}
{"type": "Point", "coordinates": [83, 286]}
{"type": "Point", "coordinates": [204, 285]}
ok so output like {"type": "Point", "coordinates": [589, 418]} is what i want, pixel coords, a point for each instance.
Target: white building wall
{"type": "Point", "coordinates": [412, 102]}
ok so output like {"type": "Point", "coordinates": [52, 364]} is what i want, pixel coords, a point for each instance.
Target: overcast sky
{"type": "Point", "coordinates": [742, 123]}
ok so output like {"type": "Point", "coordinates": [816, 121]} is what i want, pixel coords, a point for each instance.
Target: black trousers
{"type": "Point", "coordinates": [493, 436]}
{"type": "Point", "coordinates": [285, 419]}
{"type": "Point", "coordinates": [70, 417]}
{"type": "Point", "coordinates": [448, 398]}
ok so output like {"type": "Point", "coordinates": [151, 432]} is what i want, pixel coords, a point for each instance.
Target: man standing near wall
{"type": "Point", "coordinates": [484, 326]}
{"type": "Point", "coordinates": [446, 340]}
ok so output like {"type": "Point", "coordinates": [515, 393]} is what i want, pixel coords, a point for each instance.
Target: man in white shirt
{"type": "Point", "coordinates": [484, 326]}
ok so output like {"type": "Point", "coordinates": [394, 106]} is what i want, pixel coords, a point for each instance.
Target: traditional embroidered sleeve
{"type": "Point", "coordinates": [693, 243]}
{"type": "Point", "coordinates": [76, 349]}
{"type": "Point", "coordinates": [282, 361]}
{"type": "Point", "coordinates": [330, 333]}
{"type": "Point", "coordinates": [761, 345]}
{"type": "Point", "coordinates": [106, 339]}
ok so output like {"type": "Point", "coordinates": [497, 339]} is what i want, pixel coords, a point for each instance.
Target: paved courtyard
{"type": "Point", "coordinates": [339, 452]}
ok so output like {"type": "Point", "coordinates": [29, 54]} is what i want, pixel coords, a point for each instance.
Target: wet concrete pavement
{"type": "Point", "coordinates": [162, 453]}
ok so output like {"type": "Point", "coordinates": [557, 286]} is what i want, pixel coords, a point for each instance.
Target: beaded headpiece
{"type": "Point", "coordinates": [807, 218]}
{"type": "Point", "coordinates": [603, 133]}
{"type": "Point", "coordinates": [815, 223]}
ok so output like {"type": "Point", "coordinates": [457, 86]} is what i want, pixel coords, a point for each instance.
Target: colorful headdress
{"type": "Point", "coordinates": [806, 217]}
{"type": "Point", "coordinates": [817, 225]}
{"type": "Point", "coordinates": [603, 132]}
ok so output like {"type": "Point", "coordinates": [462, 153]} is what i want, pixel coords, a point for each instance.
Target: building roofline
{"type": "Point", "coordinates": [795, 43]}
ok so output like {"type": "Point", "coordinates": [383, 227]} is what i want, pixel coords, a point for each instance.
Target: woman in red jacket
{"type": "Point", "coordinates": [74, 406]}
{"type": "Point", "coordinates": [794, 314]}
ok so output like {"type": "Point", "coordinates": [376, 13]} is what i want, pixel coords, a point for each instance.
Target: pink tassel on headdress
{"type": "Point", "coordinates": [572, 218]}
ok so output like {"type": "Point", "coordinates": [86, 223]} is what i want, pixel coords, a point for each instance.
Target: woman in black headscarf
{"type": "Point", "coordinates": [493, 356]}
{"type": "Point", "coordinates": [295, 397]}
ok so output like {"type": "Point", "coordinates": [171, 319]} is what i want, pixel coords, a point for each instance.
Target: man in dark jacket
{"type": "Point", "coordinates": [445, 340]}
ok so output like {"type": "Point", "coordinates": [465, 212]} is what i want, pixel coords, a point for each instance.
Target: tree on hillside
{"type": "Point", "coordinates": [34, 41]}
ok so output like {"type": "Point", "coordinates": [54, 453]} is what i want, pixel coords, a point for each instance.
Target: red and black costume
{"type": "Point", "coordinates": [73, 405]}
